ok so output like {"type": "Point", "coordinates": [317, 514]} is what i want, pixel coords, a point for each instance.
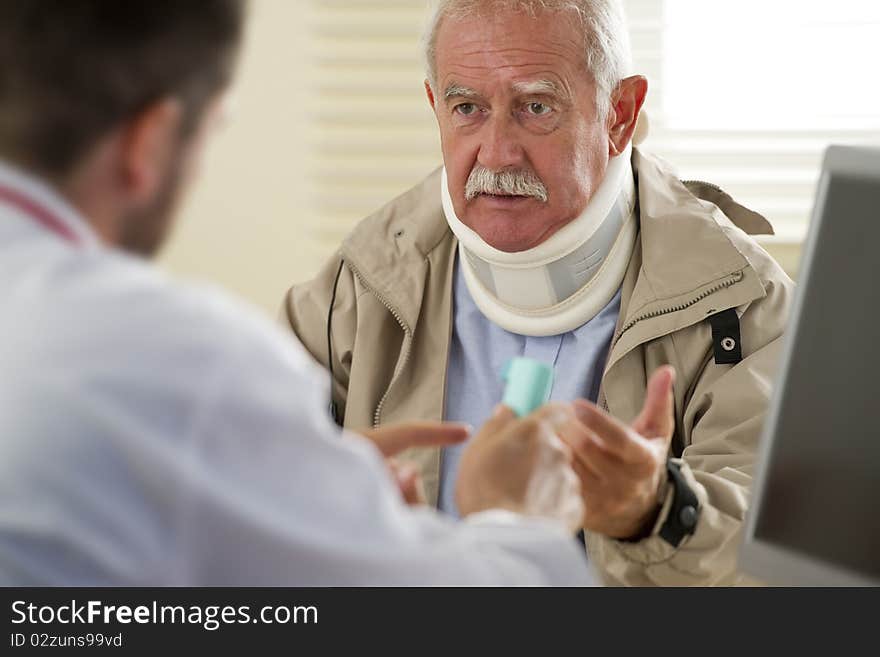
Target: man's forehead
{"type": "Point", "coordinates": [502, 51]}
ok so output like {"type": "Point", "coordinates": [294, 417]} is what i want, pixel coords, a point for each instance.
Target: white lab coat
{"type": "Point", "coordinates": [153, 433]}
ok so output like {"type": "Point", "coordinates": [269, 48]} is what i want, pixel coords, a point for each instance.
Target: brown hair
{"type": "Point", "coordinates": [71, 70]}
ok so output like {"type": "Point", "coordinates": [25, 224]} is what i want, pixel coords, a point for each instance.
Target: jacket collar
{"type": "Point", "coordinates": [685, 239]}
{"type": "Point", "coordinates": [687, 265]}
{"type": "Point", "coordinates": [390, 250]}
{"type": "Point", "coordinates": [685, 244]}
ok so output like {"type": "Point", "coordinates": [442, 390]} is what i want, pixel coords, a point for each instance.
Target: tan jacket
{"type": "Point", "coordinates": [392, 325]}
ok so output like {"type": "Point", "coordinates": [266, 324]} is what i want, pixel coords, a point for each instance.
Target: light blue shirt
{"type": "Point", "coordinates": [479, 351]}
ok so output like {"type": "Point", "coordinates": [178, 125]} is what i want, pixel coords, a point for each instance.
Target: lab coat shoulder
{"type": "Point", "coordinates": [130, 321]}
{"type": "Point", "coordinates": [116, 417]}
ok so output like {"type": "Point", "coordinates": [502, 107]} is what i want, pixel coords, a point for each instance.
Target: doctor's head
{"type": "Point", "coordinates": [532, 101]}
{"type": "Point", "coordinates": [111, 101]}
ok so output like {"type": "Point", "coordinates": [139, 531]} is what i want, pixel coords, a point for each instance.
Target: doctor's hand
{"type": "Point", "coordinates": [623, 468]}
{"type": "Point", "coordinates": [521, 465]}
{"type": "Point", "coordinates": [393, 439]}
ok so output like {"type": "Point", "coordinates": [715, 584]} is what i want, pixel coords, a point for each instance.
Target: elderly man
{"type": "Point", "coordinates": [547, 235]}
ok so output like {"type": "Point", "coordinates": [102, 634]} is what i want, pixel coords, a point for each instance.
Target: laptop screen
{"type": "Point", "coordinates": [821, 482]}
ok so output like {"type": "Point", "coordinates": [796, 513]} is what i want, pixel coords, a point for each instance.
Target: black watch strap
{"type": "Point", "coordinates": [682, 519]}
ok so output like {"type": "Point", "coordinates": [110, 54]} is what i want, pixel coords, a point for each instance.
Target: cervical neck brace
{"type": "Point", "coordinates": [566, 280]}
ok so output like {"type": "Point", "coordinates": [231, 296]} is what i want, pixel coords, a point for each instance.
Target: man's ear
{"type": "Point", "coordinates": [149, 143]}
{"type": "Point", "coordinates": [626, 105]}
{"type": "Point", "coordinates": [430, 93]}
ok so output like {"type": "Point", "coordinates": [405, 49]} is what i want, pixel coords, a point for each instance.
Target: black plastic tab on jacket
{"type": "Point", "coordinates": [726, 338]}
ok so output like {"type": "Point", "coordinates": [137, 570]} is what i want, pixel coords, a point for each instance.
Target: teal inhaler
{"type": "Point", "coordinates": [529, 383]}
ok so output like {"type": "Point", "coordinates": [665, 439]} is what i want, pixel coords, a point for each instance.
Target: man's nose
{"type": "Point", "coordinates": [500, 147]}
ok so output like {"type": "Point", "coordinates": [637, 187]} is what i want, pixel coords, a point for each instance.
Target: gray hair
{"type": "Point", "coordinates": [606, 39]}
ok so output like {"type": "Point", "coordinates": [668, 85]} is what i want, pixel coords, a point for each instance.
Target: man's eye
{"type": "Point", "coordinates": [538, 109]}
{"type": "Point", "coordinates": [465, 109]}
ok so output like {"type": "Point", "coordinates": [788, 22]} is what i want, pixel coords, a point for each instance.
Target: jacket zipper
{"type": "Point", "coordinates": [731, 280]}
{"type": "Point", "coordinates": [377, 415]}
{"type": "Point", "coordinates": [703, 182]}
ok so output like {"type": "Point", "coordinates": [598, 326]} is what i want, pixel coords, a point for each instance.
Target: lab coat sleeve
{"type": "Point", "coordinates": [281, 496]}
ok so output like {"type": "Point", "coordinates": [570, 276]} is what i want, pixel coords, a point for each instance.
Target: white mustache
{"type": "Point", "coordinates": [504, 183]}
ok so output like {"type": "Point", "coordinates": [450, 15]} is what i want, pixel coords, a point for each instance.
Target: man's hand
{"type": "Point", "coordinates": [622, 468]}
{"type": "Point", "coordinates": [396, 438]}
{"type": "Point", "coordinates": [521, 465]}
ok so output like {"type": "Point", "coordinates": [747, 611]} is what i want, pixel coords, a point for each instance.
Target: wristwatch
{"type": "Point", "coordinates": [685, 511]}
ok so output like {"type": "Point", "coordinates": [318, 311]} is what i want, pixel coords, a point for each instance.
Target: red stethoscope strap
{"type": "Point", "coordinates": [38, 213]}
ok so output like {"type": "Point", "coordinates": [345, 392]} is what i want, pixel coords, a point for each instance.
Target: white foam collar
{"type": "Point", "coordinates": [566, 280]}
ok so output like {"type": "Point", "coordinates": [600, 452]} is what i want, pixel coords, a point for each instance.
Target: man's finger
{"type": "Point", "coordinates": [576, 436]}
{"type": "Point", "coordinates": [396, 438]}
{"type": "Point", "coordinates": [555, 414]}
{"type": "Point", "coordinates": [501, 416]}
{"type": "Point", "coordinates": [597, 459]}
{"type": "Point", "coordinates": [611, 433]}
{"type": "Point", "coordinates": [410, 484]}
{"type": "Point", "coordinates": [591, 482]}
{"type": "Point", "coordinates": [657, 419]}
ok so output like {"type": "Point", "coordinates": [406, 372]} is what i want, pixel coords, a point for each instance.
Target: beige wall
{"type": "Point", "coordinates": [265, 212]}
{"type": "Point", "coordinates": [243, 225]}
